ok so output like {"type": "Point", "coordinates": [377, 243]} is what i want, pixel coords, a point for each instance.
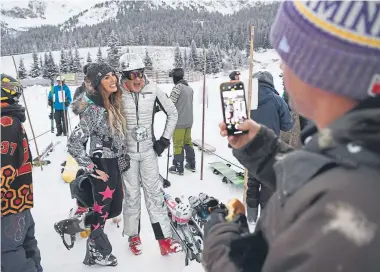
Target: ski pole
{"type": "Point", "coordinates": [167, 164]}
{"type": "Point", "coordinates": [27, 112]}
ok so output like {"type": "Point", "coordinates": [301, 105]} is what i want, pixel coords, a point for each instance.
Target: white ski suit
{"type": "Point", "coordinates": [139, 109]}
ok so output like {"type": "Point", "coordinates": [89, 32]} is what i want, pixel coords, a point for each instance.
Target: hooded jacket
{"type": "Point", "coordinates": [139, 109]}
{"type": "Point", "coordinates": [16, 161]}
{"type": "Point", "coordinates": [272, 110]}
{"type": "Point", "coordinates": [93, 125]}
{"type": "Point", "coordinates": [324, 215]}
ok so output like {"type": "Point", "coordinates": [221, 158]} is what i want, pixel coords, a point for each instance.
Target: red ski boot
{"type": "Point", "coordinates": [134, 244]}
{"type": "Point", "coordinates": [168, 246]}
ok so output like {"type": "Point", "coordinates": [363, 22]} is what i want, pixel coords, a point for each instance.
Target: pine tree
{"type": "Point", "coordinates": [178, 61]}
{"type": "Point", "coordinates": [130, 37]}
{"type": "Point", "coordinates": [71, 62]}
{"type": "Point", "coordinates": [21, 69]}
{"type": "Point", "coordinates": [201, 61]}
{"type": "Point", "coordinates": [77, 66]}
{"type": "Point", "coordinates": [210, 60]}
{"type": "Point", "coordinates": [45, 72]}
{"type": "Point", "coordinates": [113, 50]}
{"type": "Point", "coordinates": [35, 69]}
{"type": "Point", "coordinates": [64, 63]}
{"type": "Point", "coordinates": [194, 56]}
{"type": "Point", "coordinates": [89, 59]}
{"type": "Point", "coordinates": [185, 60]}
{"type": "Point", "coordinates": [41, 66]}
{"type": "Point", "coordinates": [148, 61]}
{"type": "Point", "coordinates": [141, 38]}
{"type": "Point", "coordinates": [247, 46]}
{"type": "Point", "coordinates": [99, 55]}
{"type": "Point", "coordinates": [52, 69]}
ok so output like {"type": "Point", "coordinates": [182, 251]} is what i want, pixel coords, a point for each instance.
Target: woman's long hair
{"type": "Point", "coordinates": [113, 105]}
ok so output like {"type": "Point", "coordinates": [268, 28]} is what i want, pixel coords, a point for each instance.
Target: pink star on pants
{"type": "Point", "coordinates": [107, 193]}
{"type": "Point", "coordinates": [105, 216]}
{"type": "Point", "coordinates": [98, 208]}
{"type": "Point", "coordinates": [95, 226]}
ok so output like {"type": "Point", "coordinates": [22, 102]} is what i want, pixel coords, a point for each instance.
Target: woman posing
{"type": "Point", "coordinates": [103, 123]}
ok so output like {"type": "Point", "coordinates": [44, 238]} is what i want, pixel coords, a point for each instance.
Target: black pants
{"type": "Point", "coordinates": [257, 195]}
{"type": "Point", "coordinates": [60, 118]}
{"type": "Point", "coordinates": [108, 196]}
{"type": "Point", "coordinates": [19, 251]}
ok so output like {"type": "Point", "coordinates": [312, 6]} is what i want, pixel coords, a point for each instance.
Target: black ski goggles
{"type": "Point", "coordinates": [132, 75]}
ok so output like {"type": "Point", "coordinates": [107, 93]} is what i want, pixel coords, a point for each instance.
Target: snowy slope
{"type": "Point", "coordinates": [88, 12]}
{"type": "Point", "coordinates": [56, 12]}
{"type": "Point", "coordinates": [52, 195]}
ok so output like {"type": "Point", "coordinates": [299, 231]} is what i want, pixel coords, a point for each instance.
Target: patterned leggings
{"type": "Point", "coordinates": [108, 196]}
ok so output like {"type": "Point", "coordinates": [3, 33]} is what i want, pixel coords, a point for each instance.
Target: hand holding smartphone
{"type": "Point", "coordinates": [234, 106]}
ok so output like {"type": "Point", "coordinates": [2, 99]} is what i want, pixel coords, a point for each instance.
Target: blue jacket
{"type": "Point", "coordinates": [56, 91]}
{"type": "Point", "coordinates": [272, 110]}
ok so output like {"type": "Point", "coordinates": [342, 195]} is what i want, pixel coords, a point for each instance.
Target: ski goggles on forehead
{"type": "Point", "coordinates": [131, 75]}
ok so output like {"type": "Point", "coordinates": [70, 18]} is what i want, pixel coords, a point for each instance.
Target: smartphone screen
{"type": "Point", "coordinates": [234, 106]}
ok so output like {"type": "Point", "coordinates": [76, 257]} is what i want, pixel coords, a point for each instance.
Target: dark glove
{"type": "Point", "coordinates": [160, 145]}
{"type": "Point", "coordinates": [50, 102]}
{"type": "Point", "coordinates": [51, 116]}
{"type": "Point", "coordinates": [67, 103]}
{"type": "Point", "coordinates": [216, 217]}
{"type": "Point", "coordinates": [124, 163]}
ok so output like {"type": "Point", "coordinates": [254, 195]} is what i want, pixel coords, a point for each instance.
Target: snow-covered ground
{"type": "Point", "coordinates": [52, 194]}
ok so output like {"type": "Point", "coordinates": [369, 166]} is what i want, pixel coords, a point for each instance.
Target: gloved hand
{"type": "Point", "coordinates": [216, 217]}
{"type": "Point", "coordinates": [67, 103]}
{"type": "Point", "coordinates": [50, 102]}
{"type": "Point", "coordinates": [160, 145]}
{"type": "Point", "coordinates": [51, 116]}
{"type": "Point", "coordinates": [124, 163]}
{"type": "Point", "coordinates": [219, 216]}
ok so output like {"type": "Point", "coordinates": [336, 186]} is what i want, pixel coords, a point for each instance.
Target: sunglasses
{"type": "Point", "coordinates": [131, 75]}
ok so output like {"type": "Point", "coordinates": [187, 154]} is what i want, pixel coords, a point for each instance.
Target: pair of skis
{"type": "Point", "coordinates": [38, 161]}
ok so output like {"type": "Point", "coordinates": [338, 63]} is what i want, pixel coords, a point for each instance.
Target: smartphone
{"type": "Point", "coordinates": [234, 105]}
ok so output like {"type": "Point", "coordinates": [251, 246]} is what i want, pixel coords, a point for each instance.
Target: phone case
{"type": "Point", "coordinates": [229, 87]}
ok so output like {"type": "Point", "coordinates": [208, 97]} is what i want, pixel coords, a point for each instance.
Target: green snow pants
{"type": "Point", "coordinates": [182, 141]}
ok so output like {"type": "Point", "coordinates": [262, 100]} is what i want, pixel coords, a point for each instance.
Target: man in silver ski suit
{"type": "Point", "coordinates": [140, 98]}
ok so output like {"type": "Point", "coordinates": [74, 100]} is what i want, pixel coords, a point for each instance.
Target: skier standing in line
{"type": "Point", "coordinates": [139, 98]}
{"type": "Point", "coordinates": [85, 85]}
{"type": "Point", "coordinates": [234, 75]}
{"type": "Point", "coordinates": [19, 251]}
{"type": "Point", "coordinates": [182, 97]}
{"type": "Point", "coordinates": [61, 91]}
{"type": "Point", "coordinates": [272, 112]}
{"type": "Point", "coordinates": [104, 124]}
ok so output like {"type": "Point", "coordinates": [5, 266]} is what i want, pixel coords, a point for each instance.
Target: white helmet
{"type": "Point", "coordinates": [182, 213]}
{"type": "Point", "coordinates": [59, 78]}
{"type": "Point", "coordinates": [130, 62]}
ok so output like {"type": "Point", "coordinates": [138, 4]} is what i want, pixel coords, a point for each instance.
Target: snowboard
{"type": "Point", "coordinates": [207, 147]}
{"type": "Point", "coordinates": [70, 169]}
{"type": "Point", "coordinates": [229, 175]}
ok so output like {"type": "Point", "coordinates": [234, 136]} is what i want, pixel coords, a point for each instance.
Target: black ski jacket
{"type": "Point", "coordinates": [16, 162]}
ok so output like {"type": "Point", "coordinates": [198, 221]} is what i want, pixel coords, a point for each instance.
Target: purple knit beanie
{"type": "Point", "coordinates": [331, 45]}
